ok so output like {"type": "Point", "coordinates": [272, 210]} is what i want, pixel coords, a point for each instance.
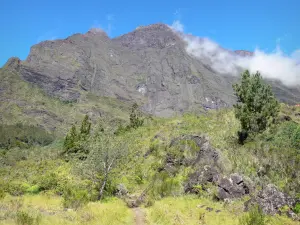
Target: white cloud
{"type": "Point", "coordinates": [275, 65]}
{"type": "Point", "coordinates": [177, 26]}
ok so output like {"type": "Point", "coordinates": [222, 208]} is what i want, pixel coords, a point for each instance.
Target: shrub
{"type": "Point", "coordinates": [296, 138]}
{"type": "Point", "coordinates": [16, 188]}
{"type": "Point", "coordinates": [24, 218]}
{"type": "Point", "coordinates": [35, 189]}
{"type": "Point", "coordinates": [164, 185]}
{"type": "Point", "coordinates": [254, 217]}
{"type": "Point", "coordinates": [297, 208]}
{"type": "Point", "coordinates": [48, 181]}
{"type": "Point", "coordinates": [74, 197]}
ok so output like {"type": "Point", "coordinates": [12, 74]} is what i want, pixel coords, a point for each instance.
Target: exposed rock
{"type": "Point", "coordinates": [135, 201]}
{"type": "Point", "coordinates": [209, 209]}
{"type": "Point", "coordinates": [233, 187]}
{"type": "Point", "coordinates": [199, 149]}
{"type": "Point", "coordinates": [285, 118]}
{"type": "Point", "coordinates": [149, 65]}
{"type": "Point", "coordinates": [201, 177]}
{"type": "Point", "coordinates": [271, 200]}
{"type": "Point", "coordinates": [293, 215]}
{"type": "Point", "coordinates": [244, 53]}
{"type": "Point", "coordinates": [13, 63]}
{"type": "Point", "coordinates": [121, 190]}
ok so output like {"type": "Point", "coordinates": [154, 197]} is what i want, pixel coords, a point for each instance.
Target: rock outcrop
{"type": "Point", "coordinates": [271, 200]}
{"type": "Point", "coordinates": [232, 187]}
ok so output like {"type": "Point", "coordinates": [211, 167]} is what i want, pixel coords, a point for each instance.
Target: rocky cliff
{"type": "Point", "coordinates": [149, 65]}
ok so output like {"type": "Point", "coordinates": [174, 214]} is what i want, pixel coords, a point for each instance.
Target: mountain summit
{"type": "Point", "coordinates": [149, 65]}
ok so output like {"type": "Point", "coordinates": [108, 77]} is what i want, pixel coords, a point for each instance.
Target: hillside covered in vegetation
{"type": "Point", "coordinates": [125, 167]}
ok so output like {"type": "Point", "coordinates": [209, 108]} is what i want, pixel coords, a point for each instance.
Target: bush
{"type": "Point", "coordinates": [74, 197]}
{"type": "Point", "coordinates": [35, 189]}
{"type": "Point", "coordinates": [296, 138]}
{"type": "Point", "coordinates": [16, 188]}
{"type": "Point", "coordinates": [297, 208]}
{"type": "Point", "coordinates": [164, 186]}
{"type": "Point", "coordinates": [254, 217]}
{"type": "Point", "coordinates": [24, 218]}
{"type": "Point", "coordinates": [48, 181]}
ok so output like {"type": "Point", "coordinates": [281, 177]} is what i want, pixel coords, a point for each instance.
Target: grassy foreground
{"type": "Point", "coordinates": [192, 210]}
{"type": "Point", "coordinates": [48, 209]}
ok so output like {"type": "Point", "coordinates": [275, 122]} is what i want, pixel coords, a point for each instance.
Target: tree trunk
{"type": "Point", "coordinates": [102, 188]}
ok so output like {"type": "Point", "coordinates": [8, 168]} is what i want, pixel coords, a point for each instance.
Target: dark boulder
{"type": "Point", "coordinates": [285, 118]}
{"type": "Point", "coordinates": [201, 177]}
{"type": "Point", "coordinates": [271, 200]}
{"type": "Point", "coordinates": [232, 187]}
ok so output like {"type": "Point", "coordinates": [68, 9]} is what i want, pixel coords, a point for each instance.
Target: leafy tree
{"type": "Point", "coordinates": [106, 154]}
{"type": "Point", "coordinates": [256, 106]}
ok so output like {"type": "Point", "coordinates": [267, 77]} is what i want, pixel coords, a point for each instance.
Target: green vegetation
{"type": "Point", "coordinates": [85, 171]}
{"type": "Point", "coordinates": [136, 120]}
{"type": "Point", "coordinates": [24, 218]}
{"type": "Point", "coordinates": [23, 136]}
{"type": "Point", "coordinates": [256, 106]}
{"type": "Point", "coordinates": [255, 216]}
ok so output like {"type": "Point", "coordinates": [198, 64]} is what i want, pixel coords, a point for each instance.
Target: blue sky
{"type": "Point", "coordinates": [234, 24]}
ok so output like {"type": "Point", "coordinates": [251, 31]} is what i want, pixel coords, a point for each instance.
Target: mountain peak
{"type": "Point", "coordinates": [156, 36]}
{"type": "Point", "coordinates": [13, 63]}
{"type": "Point", "coordinates": [156, 26]}
{"type": "Point", "coordinates": [96, 31]}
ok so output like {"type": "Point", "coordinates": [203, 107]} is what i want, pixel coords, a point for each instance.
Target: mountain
{"type": "Point", "coordinates": [149, 66]}
{"type": "Point", "coordinates": [243, 53]}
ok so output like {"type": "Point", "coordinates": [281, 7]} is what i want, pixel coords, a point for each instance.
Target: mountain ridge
{"type": "Point", "coordinates": [149, 65]}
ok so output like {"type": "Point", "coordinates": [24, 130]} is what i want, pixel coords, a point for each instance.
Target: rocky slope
{"type": "Point", "coordinates": [149, 65]}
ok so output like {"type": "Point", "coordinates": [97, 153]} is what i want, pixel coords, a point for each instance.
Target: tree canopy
{"type": "Point", "coordinates": [256, 106]}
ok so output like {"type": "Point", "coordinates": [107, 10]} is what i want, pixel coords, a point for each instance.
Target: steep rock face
{"type": "Point", "coordinates": [149, 65]}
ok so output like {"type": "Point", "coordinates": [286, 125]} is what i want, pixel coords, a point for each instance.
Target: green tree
{"type": "Point", "coordinates": [71, 139]}
{"type": "Point", "coordinates": [136, 119]}
{"type": "Point", "coordinates": [85, 126]}
{"type": "Point", "coordinates": [256, 106]}
{"type": "Point", "coordinates": [107, 153]}
{"type": "Point", "coordinates": [75, 142]}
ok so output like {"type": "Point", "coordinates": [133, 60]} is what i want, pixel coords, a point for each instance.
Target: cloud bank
{"type": "Point", "coordinates": [276, 65]}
